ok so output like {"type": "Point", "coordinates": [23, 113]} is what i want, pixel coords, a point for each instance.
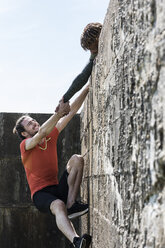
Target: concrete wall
{"type": "Point", "coordinates": [21, 224]}
{"type": "Point", "coordinates": [123, 126]}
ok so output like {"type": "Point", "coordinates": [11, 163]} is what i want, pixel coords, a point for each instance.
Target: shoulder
{"type": "Point", "coordinates": [22, 146]}
{"type": "Point", "coordinates": [54, 133]}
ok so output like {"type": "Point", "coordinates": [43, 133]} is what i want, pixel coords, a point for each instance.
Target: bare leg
{"type": "Point", "coordinates": [75, 169]}
{"type": "Point", "coordinates": [58, 209]}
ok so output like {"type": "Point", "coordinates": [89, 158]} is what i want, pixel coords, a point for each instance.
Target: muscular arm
{"type": "Point", "coordinates": [47, 126]}
{"type": "Point", "coordinates": [75, 106]}
{"type": "Point", "coordinates": [80, 80]}
{"type": "Point", "coordinates": [44, 130]}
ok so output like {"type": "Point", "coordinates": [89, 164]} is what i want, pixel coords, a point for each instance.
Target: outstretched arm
{"type": "Point", "coordinates": [75, 106]}
{"type": "Point", "coordinates": [80, 80]}
{"type": "Point", "coordinates": [47, 126]}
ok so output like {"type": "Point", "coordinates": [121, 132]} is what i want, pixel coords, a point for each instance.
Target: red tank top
{"type": "Point", "coordinates": [41, 163]}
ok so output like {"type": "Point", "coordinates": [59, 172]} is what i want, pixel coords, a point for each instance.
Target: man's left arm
{"type": "Point", "coordinates": [75, 106]}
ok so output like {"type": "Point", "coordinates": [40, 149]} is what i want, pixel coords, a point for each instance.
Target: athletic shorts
{"type": "Point", "coordinates": [43, 198]}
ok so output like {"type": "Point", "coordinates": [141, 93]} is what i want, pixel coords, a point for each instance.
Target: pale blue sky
{"type": "Point", "coordinates": [40, 52]}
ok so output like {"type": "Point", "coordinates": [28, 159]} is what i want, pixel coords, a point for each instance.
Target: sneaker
{"type": "Point", "coordinates": [79, 242]}
{"type": "Point", "coordinates": [77, 209]}
{"type": "Point", "coordinates": [82, 242]}
{"type": "Point", "coordinates": [88, 239]}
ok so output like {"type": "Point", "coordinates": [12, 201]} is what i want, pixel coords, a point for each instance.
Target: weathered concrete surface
{"type": "Point", "coordinates": [123, 129]}
{"type": "Point", "coordinates": [21, 224]}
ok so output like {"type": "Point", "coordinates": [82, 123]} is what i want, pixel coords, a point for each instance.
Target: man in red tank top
{"type": "Point", "coordinates": [39, 157]}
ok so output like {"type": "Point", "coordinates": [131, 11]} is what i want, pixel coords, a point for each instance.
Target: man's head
{"type": "Point", "coordinates": [90, 37]}
{"type": "Point", "coordinates": [26, 127]}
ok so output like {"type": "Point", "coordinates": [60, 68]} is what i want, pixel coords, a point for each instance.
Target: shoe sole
{"type": "Point", "coordinates": [78, 214]}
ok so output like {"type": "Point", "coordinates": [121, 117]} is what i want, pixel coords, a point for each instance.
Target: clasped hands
{"type": "Point", "coordinates": [63, 108]}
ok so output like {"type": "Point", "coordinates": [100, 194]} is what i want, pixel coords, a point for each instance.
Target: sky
{"type": "Point", "coordinates": [40, 52]}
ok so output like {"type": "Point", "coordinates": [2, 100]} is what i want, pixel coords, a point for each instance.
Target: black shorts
{"type": "Point", "coordinates": [43, 198]}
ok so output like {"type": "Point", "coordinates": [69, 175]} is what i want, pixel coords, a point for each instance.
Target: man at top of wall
{"type": "Point", "coordinates": [39, 157]}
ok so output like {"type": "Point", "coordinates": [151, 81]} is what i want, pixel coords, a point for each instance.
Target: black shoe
{"type": "Point", "coordinates": [88, 239]}
{"type": "Point", "coordinates": [82, 242]}
{"type": "Point", "coordinates": [77, 209]}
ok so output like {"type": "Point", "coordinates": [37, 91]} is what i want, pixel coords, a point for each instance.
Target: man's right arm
{"type": "Point", "coordinates": [47, 126]}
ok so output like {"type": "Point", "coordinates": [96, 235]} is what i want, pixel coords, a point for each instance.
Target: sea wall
{"type": "Point", "coordinates": [122, 129]}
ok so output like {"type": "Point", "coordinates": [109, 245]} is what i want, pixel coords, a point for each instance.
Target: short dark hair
{"type": "Point", "coordinates": [90, 35]}
{"type": "Point", "coordinates": [19, 128]}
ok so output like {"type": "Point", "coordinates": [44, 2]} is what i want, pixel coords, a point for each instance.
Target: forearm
{"type": "Point", "coordinates": [44, 130]}
{"type": "Point", "coordinates": [76, 105]}
{"type": "Point", "coordinates": [80, 80]}
{"type": "Point", "coordinates": [49, 125]}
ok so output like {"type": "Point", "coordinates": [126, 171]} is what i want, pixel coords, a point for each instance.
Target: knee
{"type": "Point", "coordinates": [78, 160]}
{"type": "Point", "coordinates": [75, 162]}
{"type": "Point", "coordinates": [57, 206]}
